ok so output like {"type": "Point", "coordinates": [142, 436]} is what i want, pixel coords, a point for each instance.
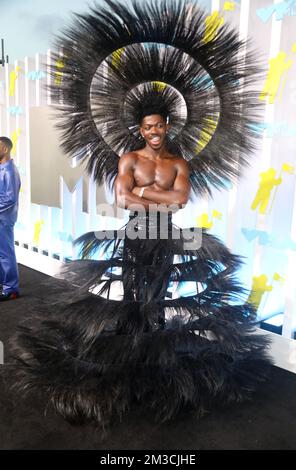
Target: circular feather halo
{"type": "Point", "coordinates": [111, 58]}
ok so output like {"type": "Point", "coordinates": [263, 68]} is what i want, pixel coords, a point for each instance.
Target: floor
{"type": "Point", "coordinates": [267, 422]}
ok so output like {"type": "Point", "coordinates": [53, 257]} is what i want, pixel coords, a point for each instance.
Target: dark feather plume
{"type": "Point", "coordinates": [110, 52]}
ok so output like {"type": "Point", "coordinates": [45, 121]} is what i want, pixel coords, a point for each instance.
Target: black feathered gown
{"type": "Point", "coordinates": [94, 356]}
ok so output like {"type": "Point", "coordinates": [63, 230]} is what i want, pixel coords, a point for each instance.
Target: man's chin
{"type": "Point", "coordinates": [156, 146]}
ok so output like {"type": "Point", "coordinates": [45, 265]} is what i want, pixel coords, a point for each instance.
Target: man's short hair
{"type": "Point", "coordinates": [153, 103]}
{"type": "Point", "coordinates": [7, 142]}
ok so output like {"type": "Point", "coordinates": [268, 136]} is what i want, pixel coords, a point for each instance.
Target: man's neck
{"type": "Point", "coordinates": [5, 159]}
{"type": "Point", "coordinates": [155, 154]}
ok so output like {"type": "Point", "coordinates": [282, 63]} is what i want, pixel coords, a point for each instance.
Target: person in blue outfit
{"type": "Point", "coordinates": [9, 193]}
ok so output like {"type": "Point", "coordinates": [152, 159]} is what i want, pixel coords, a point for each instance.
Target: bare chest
{"type": "Point", "coordinates": [161, 173]}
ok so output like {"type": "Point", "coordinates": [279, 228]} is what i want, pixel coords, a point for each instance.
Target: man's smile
{"type": "Point", "coordinates": [155, 139]}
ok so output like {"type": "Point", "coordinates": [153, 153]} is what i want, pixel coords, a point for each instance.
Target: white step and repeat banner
{"type": "Point", "coordinates": [255, 217]}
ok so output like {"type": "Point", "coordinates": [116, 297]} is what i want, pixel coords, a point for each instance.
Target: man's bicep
{"type": "Point", "coordinates": [182, 181]}
{"type": "Point", "coordinates": [8, 192]}
{"type": "Point", "coordinates": [124, 183]}
{"type": "Point", "coordinates": [10, 186]}
{"type": "Point", "coordinates": [125, 180]}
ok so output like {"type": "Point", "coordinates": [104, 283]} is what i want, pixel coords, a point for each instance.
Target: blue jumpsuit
{"type": "Point", "coordinates": [10, 184]}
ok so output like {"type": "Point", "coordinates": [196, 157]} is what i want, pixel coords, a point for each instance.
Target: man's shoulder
{"type": "Point", "coordinates": [127, 161]}
{"type": "Point", "coordinates": [9, 166]}
{"type": "Point", "coordinates": [15, 168]}
{"type": "Point", "coordinates": [180, 161]}
{"type": "Point", "coordinates": [129, 156]}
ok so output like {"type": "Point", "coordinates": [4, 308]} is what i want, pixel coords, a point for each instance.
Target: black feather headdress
{"type": "Point", "coordinates": [112, 57]}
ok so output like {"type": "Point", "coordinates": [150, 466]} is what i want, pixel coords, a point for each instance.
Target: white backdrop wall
{"type": "Point", "coordinates": [255, 217]}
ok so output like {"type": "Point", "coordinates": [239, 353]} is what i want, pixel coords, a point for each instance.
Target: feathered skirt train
{"type": "Point", "coordinates": [176, 333]}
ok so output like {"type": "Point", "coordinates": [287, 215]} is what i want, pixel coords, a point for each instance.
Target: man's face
{"type": "Point", "coordinates": [153, 129]}
{"type": "Point", "coordinates": [3, 150]}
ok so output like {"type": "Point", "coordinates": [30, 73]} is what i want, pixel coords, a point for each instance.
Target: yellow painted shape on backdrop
{"type": "Point", "coordinates": [203, 221]}
{"type": "Point", "coordinates": [229, 6]}
{"type": "Point", "coordinates": [37, 231]}
{"type": "Point", "coordinates": [278, 277]}
{"type": "Point", "coordinates": [259, 287]}
{"type": "Point", "coordinates": [288, 168]}
{"type": "Point", "coordinates": [14, 139]}
{"type": "Point", "coordinates": [276, 75]}
{"type": "Point", "coordinates": [266, 184]}
{"type": "Point", "coordinates": [294, 47]}
{"type": "Point", "coordinates": [13, 76]}
{"type": "Point", "coordinates": [212, 22]}
{"type": "Point", "coordinates": [216, 214]}
{"type": "Point", "coordinates": [60, 64]}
